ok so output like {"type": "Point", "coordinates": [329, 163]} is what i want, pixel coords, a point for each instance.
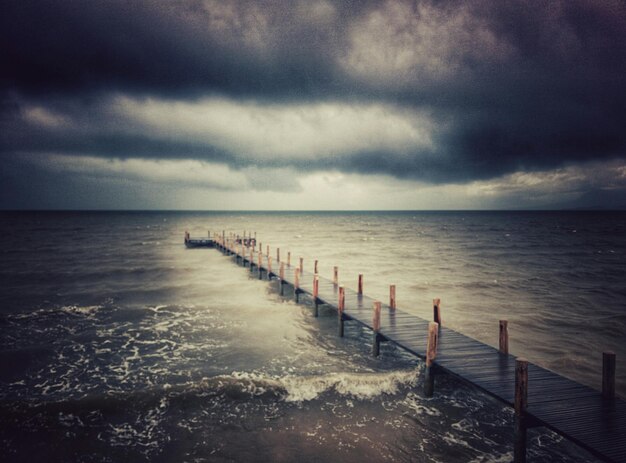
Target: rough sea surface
{"type": "Point", "coordinates": [118, 344]}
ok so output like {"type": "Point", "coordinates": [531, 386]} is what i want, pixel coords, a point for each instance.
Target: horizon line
{"type": "Point", "coordinates": [581, 209]}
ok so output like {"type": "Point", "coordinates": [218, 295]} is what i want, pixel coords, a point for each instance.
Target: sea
{"type": "Point", "coordinates": [118, 344]}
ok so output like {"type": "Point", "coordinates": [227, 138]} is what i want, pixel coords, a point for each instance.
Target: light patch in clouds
{"type": "Point", "coordinates": [544, 186]}
{"type": "Point", "coordinates": [41, 116]}
{"type": "Point", "coordinates": [317, 12]}
{"type": "Point", "coordinates": [187, 184]}
{"type": "Point", "coordinates": [248, 26]}
{"type": "Point", "coordinates": [256, 132]}
{"type": "Point", "coordinates": [172, 172]}
{"type": "Point", "coordinates": [543, 189]}
{"type": "Point", "coordinates": [407, 43]}
{"type": "Point", "coordinates": [176, 173]}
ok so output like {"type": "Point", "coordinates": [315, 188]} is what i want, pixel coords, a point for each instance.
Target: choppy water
{"type": "Point", "coordinates": [118, 344]}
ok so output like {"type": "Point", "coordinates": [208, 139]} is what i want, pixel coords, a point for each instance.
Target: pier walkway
{"type": "Point", "coordinates": [592, 419]}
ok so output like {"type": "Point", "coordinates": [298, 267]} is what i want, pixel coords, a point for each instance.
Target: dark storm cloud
{"type": "Point", "coordinates": [176, 48]}
{"type": "Point", "coordinates": [507, 85]}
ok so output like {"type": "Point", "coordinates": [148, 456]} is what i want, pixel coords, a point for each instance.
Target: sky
{"type": "Point", "coordinates": [313, 104]}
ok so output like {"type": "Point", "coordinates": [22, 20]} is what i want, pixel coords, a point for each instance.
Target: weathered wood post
{"type": "Point", "coordinates": [431, 354]}
{"type": "Point", "coordinates": [316, 289]}
{"type": "Point", "coordinates": [282, 277]}
{"type": "Point", "coordinates": [437, 312]}
{"type": "Point", "coordinates": [504, 337]}
{"type": "Point", "coordinates": [335, 275]}
{"type": "Point", "coordinates": [260, 268]}
{"type": "Point", "coordinates": [392, 297]}
{"type": "Point", "coordinates": [521, 402]}
{"type": "Point", "coordinates": [251, 259]}
{"type": "Point", "coordinates": [376, 327]}
{"type": "Point", "coordinates": [315, 267]}
{"type": "Point", "coordinates": [341, 306]}
{"type": "Point", "coordinates": [277, 254]}
{"type": "Point", "coordinates": [269, 267]}
{"type": "Point", "coordinates": [608, 375]}
{"type": "Point", "coordinates": [289, 259]}
{"type": "Point", "coordinates": [260, 248]}
{"type": "Point", "coordinates": [360, 283]}
{"type": "Point", "coordinates": [301, 265]}
{"type": "Point", "coordinates": [296, 284]}
{"type": "Point", "coordinates": [268, 250]}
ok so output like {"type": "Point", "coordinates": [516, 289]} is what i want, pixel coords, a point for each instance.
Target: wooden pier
{"type": "Point", "coordinates": [198, 243]}
{"type": "Point", "coordinates": [592, 419]}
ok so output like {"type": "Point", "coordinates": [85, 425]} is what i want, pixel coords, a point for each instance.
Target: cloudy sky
{"type": "Point", "coordinates": [312, 104]}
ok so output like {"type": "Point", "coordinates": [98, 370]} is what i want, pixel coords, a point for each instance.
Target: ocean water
{"type": "Point", "coordinates": [118, 344]}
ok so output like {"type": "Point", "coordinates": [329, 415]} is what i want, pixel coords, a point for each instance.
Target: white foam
{"type": "Point", "coordinates": [361, 386]}
{"type": "Point", "coordinates": [81, 310]}
{"type": "Point", "coordinates": [356, 385]}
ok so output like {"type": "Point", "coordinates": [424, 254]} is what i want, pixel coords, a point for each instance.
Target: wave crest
{"type": "Point", "coordinates": [361, 386]}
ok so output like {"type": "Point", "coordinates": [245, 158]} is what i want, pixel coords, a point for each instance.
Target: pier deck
{"type": "Point", "coordinates": [577, 412]}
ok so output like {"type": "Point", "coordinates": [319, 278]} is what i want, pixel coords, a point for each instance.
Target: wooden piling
{"type": "Point", "coordinates": [521, 402]}
{"type": "Point", "coordinates": [431, 354]}
{"type": "Point", "coordinates": [251, 258]}
{"type": "Point", "coordinates": [437, 312]}
{"type": "Point", "coordinates": [376, 328]}
{"type": "Point", "coordinates": [341, 305]}
{"type": "Point", "coordinates": [301, 264]}
{"type": "Point", "coordinates": [376, 316]}
{"type": "Point", "coordinates": [315, 267]}
{"type": "Point", "coordinates": [504, 337]}
{"type": "Point", "coordinates": [260, 268]}
{"type": "Point", "coordinates": [335, 275]}
{"type": "Point", "coordinates": [269, 267]}
{"type": "Point", "coordinates": [360, 283]}
{"type": "Point", "coordinates": [282, 277]}
{"type": "Point", "coordinates": [277, 254]}
{"type": "Point", "coordinates": [316, 291]}
{"type": "Point", "coordinates": [392, 297]}
{"type": "Point", "coordinates": [296, 284]}
{"type": "Point", "coordinates": [268, 250]}
{"type": "Point", "coordinates": [608, 375]}
{"type": "Point", "coordinates": [289, 259]}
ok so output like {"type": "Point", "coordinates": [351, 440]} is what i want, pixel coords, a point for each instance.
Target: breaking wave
{"type": "Point", "coordinates": [362, 386]}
